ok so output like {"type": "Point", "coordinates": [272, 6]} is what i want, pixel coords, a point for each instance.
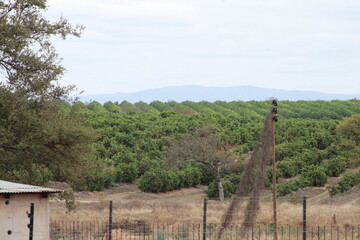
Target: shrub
{"type": "Point", "coordinates": [191, 176]}
{"type": "Point", "coordinates": [126, 172]}
{"type": "Point", "coordinates": [146, 164]}
{"type": "Point", "coordinates": [335, 166]}
{"type": "Point", "coordinates": [333, 190]}
{"type": "Point", "coordinates": [315, 175]}
{"type": "Point", "coordinates": [230, 183]}
{"type": "Point", "coordinates": [346, 183]}
{"type": "Point", "coordinates": [213, 192]}
{"type": "Point", "coordinates": [99, 179]}
{"type": "Point", "coordinates": [291, 186]}
{"type": "Point", "coordinates": [330, 152]}
{"type": "Point", "coordinates": [289, 167]}
{"type": "Point", "coordinates": [310, 156]}
{"type": "Point", "coordinates": [174, 180]}
{"type": "Point", "coordinates": [162, 180]}
{"type": "Point", "coordinates": [158, 180]}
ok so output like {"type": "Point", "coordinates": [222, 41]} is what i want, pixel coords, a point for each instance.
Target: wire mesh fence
{"type": "Point", "coordinates": [179, 229]}
{"type": "Point", "coordinates": [202, 220]}
{"type": "Point", "coordinates": [93, 230]}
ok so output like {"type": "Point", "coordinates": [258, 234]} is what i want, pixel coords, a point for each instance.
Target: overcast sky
{"type": "Point", "coordinates": [133, 45]}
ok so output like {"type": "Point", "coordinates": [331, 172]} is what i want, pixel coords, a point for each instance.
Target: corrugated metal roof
{"type": "Point", "coordinates": [10, 187]}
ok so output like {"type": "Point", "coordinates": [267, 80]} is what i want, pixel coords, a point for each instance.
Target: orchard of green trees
{"type": "Point", "coordinates": [47, 136]}
{"type": "Point", "coordinates": [163, 146]}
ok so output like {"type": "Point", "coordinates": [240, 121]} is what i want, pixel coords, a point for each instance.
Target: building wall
{"type": "Point", "coordinates": [14, 218]}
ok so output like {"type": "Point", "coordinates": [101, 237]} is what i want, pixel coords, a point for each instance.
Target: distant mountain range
{"type": "Point", "coordinates": [211, 94]}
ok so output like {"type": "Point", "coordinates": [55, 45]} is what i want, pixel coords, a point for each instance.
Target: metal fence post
{"type": "Point", "coordinates": [204, 219]}
{"type": "Point", "coordinates": [304, 218]}
{"type": "Point", "coordinates": [31, 224]}
{"type": "Point", "coordinates": [110, 219]}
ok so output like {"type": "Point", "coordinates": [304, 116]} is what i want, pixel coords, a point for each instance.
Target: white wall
{"type": "Point", "coordinates": [14, 218]}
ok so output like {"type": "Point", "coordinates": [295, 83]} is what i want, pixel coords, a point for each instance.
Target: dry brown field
{"type": "Point", "coordinates": [186, 206]}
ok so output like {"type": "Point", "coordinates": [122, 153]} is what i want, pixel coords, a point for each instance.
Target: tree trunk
{"type": "Point", "coordinates": [220, 188]}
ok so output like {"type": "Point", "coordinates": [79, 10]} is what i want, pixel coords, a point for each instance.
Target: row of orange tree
{"type": "Point", "coordinates": [138, 142]}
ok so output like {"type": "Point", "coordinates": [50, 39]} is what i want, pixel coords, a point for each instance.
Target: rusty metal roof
{"type": "Point", "coordinates": [10, 187]}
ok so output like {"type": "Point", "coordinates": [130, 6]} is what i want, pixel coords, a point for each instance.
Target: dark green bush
{"type": "Point", "coordinates": [162, 180]}
{"type": "Point", "coordinates": [331, 152]}
{"type": "Point", "coordinates": [230, 183]}
{"type": "Point", "coordinates": [335, 166]}
{"type": "Point", "coordinates": [289, 167]}
{"type": "Point", "coordinates": [99, 179]}
{"type": "Point", "coordinates": [146, 164]}
{"type": "Point", "coordinates": [190, 177]}
{"type": "Point", "coordinates": [127, 173]}
{"type": "Point", "coordinates": [314, 174]}
{"type": "Point", "coordinates": [174, 180]}
{"type": "Point", "coordinates": [291, 186]}
{"type": "Point", "coordinates": [158, 180]}
{"type": "Point", "coordinates": [310, 156]}
{"type": "Point", "coordinates": [346, 183]}
{"type": "Point", "coordinates": [213, 192]}
{"type": "Point", "coordinates": [333, 190]}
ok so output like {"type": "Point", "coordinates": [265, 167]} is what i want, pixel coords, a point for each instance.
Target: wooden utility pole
{"type": "Point", "coordinates": [274, 111]}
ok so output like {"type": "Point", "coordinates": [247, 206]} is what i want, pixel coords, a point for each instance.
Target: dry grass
{"type": "Point", "coordinates": [187, 206]}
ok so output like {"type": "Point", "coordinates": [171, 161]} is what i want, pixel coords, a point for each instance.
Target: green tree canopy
{"type": "Point", "coordinates": [350, 128]}
{"type": "Point", "coordinates": [28, 61]}
{"type": "Point", "coordinates": [40, 139]}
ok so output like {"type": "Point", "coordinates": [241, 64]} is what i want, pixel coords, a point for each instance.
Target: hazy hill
{"type": "Point", "coordinates": [199, 93]}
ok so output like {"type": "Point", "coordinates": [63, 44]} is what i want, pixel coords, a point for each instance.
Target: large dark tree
{"type": "Point", "coordinates": [39, 140]}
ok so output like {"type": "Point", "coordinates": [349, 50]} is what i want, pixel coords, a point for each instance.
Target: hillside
{"type": "Point", "coordinates": [136, 141]}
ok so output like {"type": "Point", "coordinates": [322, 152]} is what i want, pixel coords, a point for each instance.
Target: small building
{"type": "Point", "coordinates": [15, 202]}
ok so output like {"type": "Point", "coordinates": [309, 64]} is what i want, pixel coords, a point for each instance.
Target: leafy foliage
{"type": "Point", "coordinates": [99, 178]}
{"type": "Point", "coordinates": [126, 172]}
{"type": "Point", "coordinates": [346, 183]}
{"type": "Point", "coordinates": [142, 134]}
{"type": "Point", "coordinates": [213, 190]}
{"type": "Point", "coordinates": [291, 186]}
{"type": "Point", "coordinates": [42, 138]}
{"type": "Point", "coordinates": [314, 175]}
{"type": "Point", "coordinates": [230, 183]}
{"type": "Point", "coordinates": [350, 128]}
{"type": "Point", "coordinates": [162, 180]}
{"type": "Point", "coordinates": [289, 167]}
{"type": "Point", "coordinates": [42, 142]}
{"type": "Point", "coordinates": [27, 57]}
{"type": "Point", "coordinates": [159, 180]}
{"type": "Point", "coordinates": [335, 166]}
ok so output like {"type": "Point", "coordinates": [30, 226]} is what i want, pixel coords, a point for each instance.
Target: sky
{"type": "Point", "coordinates": [134, 45]}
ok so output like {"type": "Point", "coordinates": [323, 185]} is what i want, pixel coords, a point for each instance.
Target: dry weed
{"type": "Point", "coordinates": [180, 211]}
